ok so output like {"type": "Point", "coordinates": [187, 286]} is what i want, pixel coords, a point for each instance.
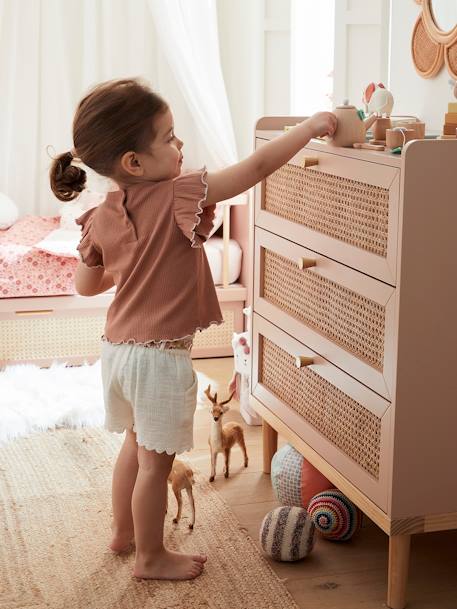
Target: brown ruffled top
{"type": "Point", "coordinates": [149, 237]}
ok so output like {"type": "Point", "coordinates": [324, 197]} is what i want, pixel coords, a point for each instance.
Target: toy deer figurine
{"type": "Point", "coordinates": [182, 477]}
{"type": "Point", "coordinates": [222, 438]}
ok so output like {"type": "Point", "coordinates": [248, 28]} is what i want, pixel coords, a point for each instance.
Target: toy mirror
{"type": "Point", "coordinates": [434, 39]}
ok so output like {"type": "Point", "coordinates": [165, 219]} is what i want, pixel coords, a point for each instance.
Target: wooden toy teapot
{"type": "Point", "coordinates": [351, 128]}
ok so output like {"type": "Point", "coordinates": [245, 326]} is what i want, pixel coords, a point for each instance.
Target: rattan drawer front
{"type": "Point", "coordinates": [344, 208]}
{"type": "Point", "coordinates": [345, 316]}
{"type": "Point", "coordinates": [346, 423]}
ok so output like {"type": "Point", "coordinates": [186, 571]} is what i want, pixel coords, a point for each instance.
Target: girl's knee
{"type": "Point", "coordinates": [130, 436]}
{"type": "Point", "coordinates": [159, 463]}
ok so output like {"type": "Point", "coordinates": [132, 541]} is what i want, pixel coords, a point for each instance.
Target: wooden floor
{"type": "Point", "coordinates": [350, 575]}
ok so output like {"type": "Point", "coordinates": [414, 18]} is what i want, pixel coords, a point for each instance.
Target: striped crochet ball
{"type": "Point", "coordinates": [334, 515]}
{"type": "Point", "coordinates": [287, 534]}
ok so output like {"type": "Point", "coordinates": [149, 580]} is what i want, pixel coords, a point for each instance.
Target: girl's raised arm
{"type": "Point", "coordinates": [238, 178]}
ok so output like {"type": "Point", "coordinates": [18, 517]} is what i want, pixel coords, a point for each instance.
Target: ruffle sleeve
{"type": "Point", "coordinates": [90, 254]}
{"type": "Point", "coordinates": [194, 218]}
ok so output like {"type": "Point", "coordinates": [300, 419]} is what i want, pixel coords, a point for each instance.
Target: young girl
{"type": "Point", "coordinates": [146, 239]}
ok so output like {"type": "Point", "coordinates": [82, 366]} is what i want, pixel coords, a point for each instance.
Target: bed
{"type": "Point", "coordinates": [43, 319]}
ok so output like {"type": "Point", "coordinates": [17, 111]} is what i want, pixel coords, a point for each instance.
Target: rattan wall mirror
{"type": "Point", "coordinates": [434, 40]}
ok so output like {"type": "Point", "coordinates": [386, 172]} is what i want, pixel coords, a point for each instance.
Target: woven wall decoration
{"type": "Point", "coordinates": [431, 47]}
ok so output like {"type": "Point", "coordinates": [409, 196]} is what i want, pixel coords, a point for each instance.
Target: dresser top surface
{"type": "Point", "coordinates": [372, 156]}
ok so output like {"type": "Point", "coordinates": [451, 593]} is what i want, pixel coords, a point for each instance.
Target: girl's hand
{"type": "Point", "coordinates": [322, 123]}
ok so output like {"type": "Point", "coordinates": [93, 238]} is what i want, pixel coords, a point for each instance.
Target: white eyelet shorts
{"type": "Point", "coordinates": [152, 391]}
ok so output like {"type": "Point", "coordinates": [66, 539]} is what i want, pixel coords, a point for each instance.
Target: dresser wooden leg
{"type": "Point", "coordinates": [270, 445]}
{"type": "Point", "coordinates": [399, 548]}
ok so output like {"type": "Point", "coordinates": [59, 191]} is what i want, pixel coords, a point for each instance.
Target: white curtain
{"type": "Point", "coordinates": [312, 56]}
{"type": "Point", "coordinates": [189, 39]}
{"type": "Point", "coordinates": [52, 52]}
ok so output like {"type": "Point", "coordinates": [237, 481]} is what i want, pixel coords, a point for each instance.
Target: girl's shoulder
{"type": "Point", "coordinates": [86, 219]}
{"type": "Point", "coordinates": [194, 180]}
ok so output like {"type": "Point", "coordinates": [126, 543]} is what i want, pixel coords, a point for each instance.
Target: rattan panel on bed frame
{"type": "Point", "coordinates": [217, 336]}
{"type": "Point", "coordinates": [76, 338]}
{"type": "Point", "coordinates": [29, 339]}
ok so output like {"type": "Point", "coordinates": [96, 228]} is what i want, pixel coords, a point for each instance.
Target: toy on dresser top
{"type": "Point", "coordinates": [353, 126]}
{"type": "Point", "coordinates": [388, 133]}
{"type": "Point", "coordinates": [378, 100]}
{"type": "Point", "coordinates": [450, 118]}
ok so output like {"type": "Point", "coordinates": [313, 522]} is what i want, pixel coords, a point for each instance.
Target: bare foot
{"type": "Point", "coordinates": [170, 565]}
{"type": "Point", "coordinates": [122, 541]}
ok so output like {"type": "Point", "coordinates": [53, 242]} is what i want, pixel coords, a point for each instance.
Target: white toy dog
{"type": "Point", "coordinates": [239, 382]}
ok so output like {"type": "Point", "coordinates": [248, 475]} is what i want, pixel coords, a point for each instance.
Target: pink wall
{"type": "Point", "coordinates": [239, 229]}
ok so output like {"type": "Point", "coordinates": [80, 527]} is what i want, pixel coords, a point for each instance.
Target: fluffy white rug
{"type": "Point", "coordinates": [35, 399]}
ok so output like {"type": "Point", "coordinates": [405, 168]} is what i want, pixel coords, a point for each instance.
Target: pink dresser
{"type": "Point", "coordinates": [354, 330]}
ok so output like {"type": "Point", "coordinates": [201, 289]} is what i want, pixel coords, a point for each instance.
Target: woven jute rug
{"type": "Point", "coordinates": [55, 526]}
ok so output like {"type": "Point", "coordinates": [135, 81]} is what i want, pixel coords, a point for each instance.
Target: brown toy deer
{"type": "Point", "coordinates": [182, 477]}
{"type": "Point", "coordinates": [222, 438]}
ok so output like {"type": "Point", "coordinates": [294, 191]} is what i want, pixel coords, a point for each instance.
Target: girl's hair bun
{"type": "Point", "coordinates": [114, 117]}
{"type": "Point", "coordinates": [67, 181]}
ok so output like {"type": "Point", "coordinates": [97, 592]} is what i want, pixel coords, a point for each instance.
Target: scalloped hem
{"type": "Point", "coordinates": [117, 429]}
{"type": "Point", "coordinates": [200, 208]}
{"type": "Point", "coordinates": [161, 449]}
{"type": "Point", "coordinates": [157, 447]}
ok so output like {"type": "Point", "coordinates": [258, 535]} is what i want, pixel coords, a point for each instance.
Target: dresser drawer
{"type": "Point", "coordinates": [345, 316]}
{"type": "Point", "coordinates": [342, 207]}
{"type": "Point", "coordinates": [342, 420]}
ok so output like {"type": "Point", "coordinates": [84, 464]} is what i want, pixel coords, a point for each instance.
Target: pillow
{"type": "Point", "coordinates": [68, 214]}
{"type": "Point", "coordinates": [218, 219]}
{"type": "Point", "coordinates": [9, 212]}
{"type": "Point", "coordinates": [219, 212]}
{"type": "Point", "coordinates": [61, 242]}
{"type": "Point", "coordinates": [71, 210]}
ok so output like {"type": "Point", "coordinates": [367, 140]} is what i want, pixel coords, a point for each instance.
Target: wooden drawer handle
{"type": "Point", "coordinates": [302, 360]}
{"type": "Point", "coordinates": [309, 161]}
{"type": "Point", "coordinates": [305, 263]}
{"type": "Point", "coordinates": [35, 312]}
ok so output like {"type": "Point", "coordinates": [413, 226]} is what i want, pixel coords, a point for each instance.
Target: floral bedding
{"type": "Point", "coordinates": [26, 270]}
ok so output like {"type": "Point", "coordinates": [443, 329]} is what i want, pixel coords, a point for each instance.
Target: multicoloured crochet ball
{"type": "Point", "coordinates": [287, 534]}
{"type": "Point", "coordinates": [334, 515]}
{"type": "Point", "coordinates": [295, 481]}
